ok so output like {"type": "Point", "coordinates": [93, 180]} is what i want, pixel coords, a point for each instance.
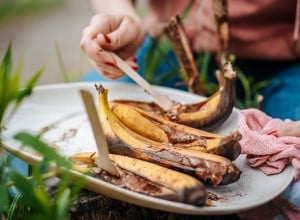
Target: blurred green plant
{"type": "Point", "coordinates": [250, 95]}
{"type": "Point", "coordinates": [158, 54]}
{"type": "Point", "coordinates": [14, 8]}
{"type": "Point", "coordinates": [34, 193]}
{"type": "Point", "coordinates": [10, 93]}
{"type": "Point", "coordinates": [32, 199]}
{"type": "Point", "coordinates": [67, 74]}
{"type": "Point", "coordinates": [155, 56]}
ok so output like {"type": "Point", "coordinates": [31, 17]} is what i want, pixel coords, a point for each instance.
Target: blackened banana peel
{"type": "Point", "coordinates": [123, 140]}
{"type": "Point", "coordinates": [207, 114]}
{"type": "Point", "coordinates": [146, 178]}
{"type": "Point", "coordinates": [176, 135]}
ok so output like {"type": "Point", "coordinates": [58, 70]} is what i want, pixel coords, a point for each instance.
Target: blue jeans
{"type": "Point", "coordinates": [282, 96]}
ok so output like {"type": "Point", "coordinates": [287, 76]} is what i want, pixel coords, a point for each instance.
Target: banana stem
{"type": "Point", "coordinates": [176, 34]}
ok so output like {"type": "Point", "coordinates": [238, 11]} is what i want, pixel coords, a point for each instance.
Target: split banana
{"type": "Point", "coordinates": [207, 114]}
{"type": "Point", "coordinates": [146, 178]}
{"type": "Point", "coordinates": [177, 135]}
{"type": "Point", "coordinates": [125, 140]}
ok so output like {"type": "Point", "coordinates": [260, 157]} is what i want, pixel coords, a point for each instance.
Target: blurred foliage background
{"type": "Point", "coordinates": [16, 8]}
{"type": "Point", "coordinates": [36, 28]}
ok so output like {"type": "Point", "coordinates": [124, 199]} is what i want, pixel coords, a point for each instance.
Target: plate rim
{"type": "Point", "coordinates": [156, 202]}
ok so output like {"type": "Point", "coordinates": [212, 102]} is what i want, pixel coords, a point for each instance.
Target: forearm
{"type": "Point", "coordinates": [115, 7]}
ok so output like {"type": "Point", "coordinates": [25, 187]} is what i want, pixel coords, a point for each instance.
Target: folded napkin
{"type": "Point", "coordinates": [270, 153]}
{"type": "Point", "coordinates": [264, 149]}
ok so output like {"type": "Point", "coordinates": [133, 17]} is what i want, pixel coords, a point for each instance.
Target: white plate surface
{"type": "Point", "coordinates": [50, 103]}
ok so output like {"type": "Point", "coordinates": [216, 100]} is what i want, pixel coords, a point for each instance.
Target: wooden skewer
{"type": "Point", "coordinates": [162, 100]}
{"type": "Point", "coordinates": [102, 160]}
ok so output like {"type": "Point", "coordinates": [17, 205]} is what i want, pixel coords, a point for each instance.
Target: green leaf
{"type": "Point", "coordinates": [246, 85]}
{"type": "Point", "coordinates": [63, 203]}
{"type": "Point", "coordinates": [18, 96]}
{"type": "Point", "coordinates": [18, 209]}
{"type": "Point", "coordinates": [166, 76]}
{"type": "Point", "coordinates": [48, 152]}
{"type": "Point", "coordinates": [260, 85]}
{"type": "Point", "coordinates": [4, 170]}
{"type": "Point", "coordinates": [5, 72]}
{"type": "Point", "coordinates": [66, 194]}
{"type": "Point", "coordinates": [204, 63]}
{"type": "Point", "coordinates": [29, 86]}
{"type": "Point", "coordinates": [156, 54]}
{"type": "Point", "coordinates": [6, 63]}
{"type": "Point", "coordinates": [4, 199]}
{"type": "Point", "coordinates": [152, 61]}
{"type": "Point", "coordinates": [27, 189]}
{"type": "Point", "coordinates": [14, 83]}
{"type": "Point", "coordinates": [38, 216]}
{"type": "Point", "coordinates": [9, 86]}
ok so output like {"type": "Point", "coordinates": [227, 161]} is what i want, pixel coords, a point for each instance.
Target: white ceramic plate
{"type": "Point", "coordinates": [54, 102]}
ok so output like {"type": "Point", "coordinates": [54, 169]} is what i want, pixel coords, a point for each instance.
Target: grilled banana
{"type": "Point", "coordinates": [146, 178]}
{"type": "Point", "coordinates": [165, 131]}
{"type": "Point", "coordinates": [125, 141]}
{"type": "Point", "coordinates": [207, 114]}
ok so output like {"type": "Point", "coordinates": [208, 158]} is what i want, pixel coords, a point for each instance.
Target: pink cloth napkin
{"type": "Point", "coordinates": [264, 149]}
{"type": "Point", "coordinates": [269, 153]}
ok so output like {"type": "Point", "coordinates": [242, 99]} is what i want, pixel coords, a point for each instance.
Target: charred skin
{"type": "Point", "coordinates": [209, 168]}
{"type": "Point", "coordinates": [215, 110]}
{"type": "Point", "coordinates": [207, 114]}
{"type": "Point", "coordinates": [146, 178]}
{"type": "Point", "coordinates": [177, 135]}
{"type": "Point", "coordinates": [122, 140]}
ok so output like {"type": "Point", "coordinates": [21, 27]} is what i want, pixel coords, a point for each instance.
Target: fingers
{"type": "Point", "coordinates": [121, 37]}
{"type": "Point", "coordinates": [117, 33]}
{"type": "Point", "coordinates": [132, 61]}
{"type": "Point", "coordinates": [110, 70]}
{"type": "Point", "coordinates": [99, 24]}
{"type": "Point", "coordinates": [292, 129]}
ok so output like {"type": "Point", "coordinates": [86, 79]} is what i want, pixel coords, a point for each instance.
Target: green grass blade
{"type": "Point", "coordinates": [23, 93]}
{"type": "Point", "coordinates": [63, 203]}
{"type": "Point", "coordinates": [6, 63]}
{"type": "Point", "coordinates": [18, 209]}
{"type": "Point", "coordinates": [27, 189]}
{"type": "Point", "coordinates": [5, 72]}
{"type": "Point", "coordinates": [29, 85]}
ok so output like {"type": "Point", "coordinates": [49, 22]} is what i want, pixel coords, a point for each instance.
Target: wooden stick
{"type": "Point", "coordinates": [102, 160]}
{"type": "Point", "coordinates": [163, 101]}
